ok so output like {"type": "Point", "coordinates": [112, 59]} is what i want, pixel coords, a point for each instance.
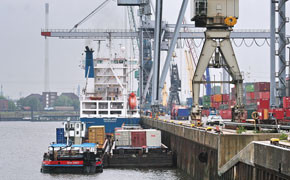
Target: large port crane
{"type": "Point", "coordinates": [218, 17]}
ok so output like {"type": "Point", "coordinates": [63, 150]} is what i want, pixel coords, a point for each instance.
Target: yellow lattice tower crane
{"type": "Point", "coordinates": [190, 69]}
{"type": "Point", "coordinates": [164, 95]}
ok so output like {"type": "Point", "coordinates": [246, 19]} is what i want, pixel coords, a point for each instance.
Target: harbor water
{"type": "Point", "coordinates": [23, 144]}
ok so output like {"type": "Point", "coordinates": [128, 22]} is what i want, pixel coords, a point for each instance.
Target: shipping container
{"type": "Point", "coordinates": [226, 97]}
{"type": "Point", "coordinates": [224, 106]}
{"type": "Point", "coordinates": [262, 95]}
{"type": "Point", "coordinates": [250, 87]}
{"type": "Point", "coordinates": [212, 98]}
{"type": "Point", "coordinates": [278, 113]}
{"type": "Point", "coordinates": [262, 86]}
{"type": "Point", "coordinates": [215, 105]}
{"type": "Point", "coordinates": [183, 113]}
{"type": "Point", "coordinates": [153, 138]}
{"type": "Point", "coordinates": [206, 98]}
{"type": "Point", "coordinates": [96, 134]}
{"type": "Point", "coordinates": [205, 112]}
{"type": "Point", "coordinates": [286, 102]}
{"type": "Point", "coordinates": [250, 95]}
{"type": "Point", "coordinates": [217, 98]}
{"type": "Point", "coordinates": [226, 114]}
{"type": "Point", "coordinates": [263, 103]}
{"type": "Point", "coordinates": [287, 113]}
{"type": "Point", "coordinates": [206, 105]}
{"type": "Point", "coordinates": [138, 138]}
{"type": "Point", "coordinates": [123, 137]}
{"type": "Point", "coordinates": [60, 139]}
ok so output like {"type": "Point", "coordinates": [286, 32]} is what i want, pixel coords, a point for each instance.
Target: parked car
{"type": "Point", "coordinates": [214, 120]}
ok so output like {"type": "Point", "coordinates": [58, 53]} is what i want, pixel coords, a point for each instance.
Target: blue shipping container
{"type": "Point", "coordinates": [183, 114]}
{"type": "Point", "coordinates": [60, 139]}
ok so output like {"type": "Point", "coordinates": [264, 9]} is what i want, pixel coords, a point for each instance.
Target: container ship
{"type": "Point", "coordinates": [108, 133]}
{"type": "Point", "coordinates": [109, 98]}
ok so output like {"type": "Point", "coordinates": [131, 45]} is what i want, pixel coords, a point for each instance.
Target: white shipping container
{"type": "Point", "coordinates": [123, 137]}
{"type": "Point", "coordinates": [153, 138]}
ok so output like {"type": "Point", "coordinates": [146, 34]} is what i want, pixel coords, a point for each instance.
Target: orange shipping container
{"type": "Point", "coordinates": [217, 98]}
{"type": "Point", "coordinates": [97, 134]}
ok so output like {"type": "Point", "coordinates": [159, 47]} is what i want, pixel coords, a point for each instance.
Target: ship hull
{"type": "Point", "coordinates": [110, 123]}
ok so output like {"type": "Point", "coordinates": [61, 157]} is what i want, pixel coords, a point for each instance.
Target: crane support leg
{"type": "Point", "coordinates": [217, 39]}
{"type": "Point", "coordinates": [207, 51]}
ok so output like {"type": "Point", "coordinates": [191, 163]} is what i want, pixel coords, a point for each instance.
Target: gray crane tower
{"type": "Point", "coordinates": [218, 17]}
{"type": "Point", "coordinates": [175, 87]}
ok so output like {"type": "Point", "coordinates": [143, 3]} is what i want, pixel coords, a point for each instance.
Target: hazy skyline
{"type": "Point", "coordinates": [22, 47]}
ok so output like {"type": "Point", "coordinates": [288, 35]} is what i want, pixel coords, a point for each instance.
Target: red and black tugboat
{"type": "Point", "coordinates": [77, 158]}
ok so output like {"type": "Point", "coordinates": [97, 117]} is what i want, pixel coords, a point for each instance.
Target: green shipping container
{"type": "Point", "coordinates": [250, 88]}
{"type": "Point", "coordinates": [206, 99]}
{"type": "Point", "coordinates": [206, 104]}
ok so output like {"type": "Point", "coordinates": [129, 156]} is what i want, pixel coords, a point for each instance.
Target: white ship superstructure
{"type": "Point", "coordinates": [105, 99]}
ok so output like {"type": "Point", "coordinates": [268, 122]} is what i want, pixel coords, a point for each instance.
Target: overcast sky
{"type": "Point", "coordinates": [22, 47]}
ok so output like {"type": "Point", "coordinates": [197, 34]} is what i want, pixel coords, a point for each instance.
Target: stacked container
{"type": "Point", "coordinates": [138, 138]}
{"type": "Point", "coordinates": [278, 113]}
{"type": "Point", "coordinates": [123, 137]}
{"type": "Point", "coordinates": [206, 101]}
{"type": "Point", "coordinates": [96, 134]}
{"type": "Point", "coordinates": [286, 106]}
{"type": "Point", "coordinates": [226, 114]}
{"type": "Point", "coordinates": [225, 102]}
{"type": "Point", "coordinates": [153, 138]}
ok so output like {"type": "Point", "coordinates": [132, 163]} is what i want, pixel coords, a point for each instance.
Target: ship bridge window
{"type": "Point", "coordinates": [103, 105]}
{"type": "Point", "coordinates": [116, 105]}
{"type": "Point", "coordinates": [103, 112]}
{"type": "Point", "coordinates": [115, 112]}
{"type": "Point", "coordinates": [100, 62]}
{"type": "Point", "coordinates": [89, 112]}
{"type": "Point", "coordinates": [89, 105]}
